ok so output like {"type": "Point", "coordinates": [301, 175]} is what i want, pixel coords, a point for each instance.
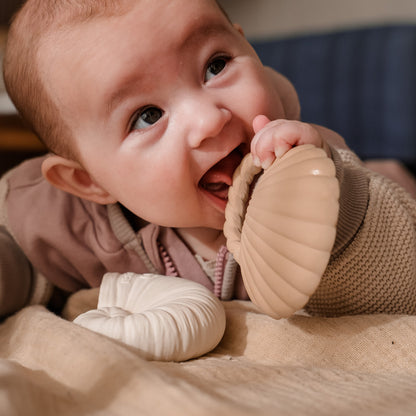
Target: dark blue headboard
{"type": "Point", "coordinates": [361, 83]}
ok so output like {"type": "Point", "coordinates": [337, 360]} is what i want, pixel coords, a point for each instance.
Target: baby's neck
{"type": "Point", "coordinates": [203, 241]}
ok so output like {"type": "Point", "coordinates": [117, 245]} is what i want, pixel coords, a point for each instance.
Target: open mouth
{"type": "Point", "coordinates": [219, 177]}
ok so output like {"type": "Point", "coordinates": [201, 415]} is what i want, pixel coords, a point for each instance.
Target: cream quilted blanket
{"type": "Point", "coordinates": [362, 365]}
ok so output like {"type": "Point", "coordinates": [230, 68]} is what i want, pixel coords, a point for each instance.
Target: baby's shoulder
{"type": "Point", "coordinates": [25, 176]}
{"type": "Point", "coordinates": [28, 200]}
{"type": "Point", "coordinates": [25, 189]}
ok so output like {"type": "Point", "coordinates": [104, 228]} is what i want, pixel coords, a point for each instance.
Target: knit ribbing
{"type": "Point", "coordinates": [126, 235]}
{"type": "Point", "coordinates": [374, 273]}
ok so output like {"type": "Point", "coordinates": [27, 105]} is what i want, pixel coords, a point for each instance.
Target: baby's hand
{"type": "Point", "coordinates": [273, 139]}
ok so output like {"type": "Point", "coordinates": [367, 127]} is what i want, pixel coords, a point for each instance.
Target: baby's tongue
{"type": "Point", "coordinates": [219, 178]}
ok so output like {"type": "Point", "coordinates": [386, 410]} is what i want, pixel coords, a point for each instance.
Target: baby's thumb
{"type": "Point", "coordinates": [259, 122]}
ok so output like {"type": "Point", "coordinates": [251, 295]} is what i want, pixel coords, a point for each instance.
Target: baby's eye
{"type": "Point", "coordinates": [215, 67]}
{"type": "Point", "coordinates": [146, 117]}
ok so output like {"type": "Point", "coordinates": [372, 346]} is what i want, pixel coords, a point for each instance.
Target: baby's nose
{"type": "Point", "coordinates": [208, 120]}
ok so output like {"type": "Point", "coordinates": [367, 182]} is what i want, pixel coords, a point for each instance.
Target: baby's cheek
{"type": "Point", "coordinates": [255, 94]}
{"type": "Point", "coordinates": [268, 102]}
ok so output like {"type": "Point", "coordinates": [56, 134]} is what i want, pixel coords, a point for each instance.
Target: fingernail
{"type": "Point", "coordinates": [279, 152]}
{"type": "Point", "coordinates": [256, 161]}
{"type": "Point", "coordinates": [266, 164]}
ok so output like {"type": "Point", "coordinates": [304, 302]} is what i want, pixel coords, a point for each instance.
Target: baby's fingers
{"type": "Point", "coordinates": [260, 122]}
{"type": "Point", "coordinates": [267, 150]}
{"type": "Point", "coordinates": [271, 141]}
{"type": "Point", "coordinates": [279, 136]}
{"type": "Point", "coordinates": [263, 155]}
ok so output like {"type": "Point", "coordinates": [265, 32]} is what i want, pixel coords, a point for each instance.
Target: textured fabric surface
{"type": "Point", "coordinates": [360, 83]}
{"type": "Point", "coordinates": [376, 271]}
{"type": "Point", "coordinates": [362, 365]}
{"type": "Point", "coordinates": [15, 275]}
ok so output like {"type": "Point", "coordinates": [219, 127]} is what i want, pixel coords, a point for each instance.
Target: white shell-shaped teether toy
{"type": "Point", "coordinates": [166, 318]}
{"type": "Point", "coordinates": [283, 232]}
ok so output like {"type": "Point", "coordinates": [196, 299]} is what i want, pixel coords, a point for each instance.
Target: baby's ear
{"type": "Point", "coordinates": [69, 176]}
{"type": "Point", "coordinates": [287, 93]}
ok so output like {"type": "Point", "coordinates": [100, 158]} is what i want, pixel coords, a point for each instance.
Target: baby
{"type": "Point", "coordinates": [148, 107]}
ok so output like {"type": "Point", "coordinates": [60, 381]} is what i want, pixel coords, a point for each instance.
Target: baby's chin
{"type": "Point", "coordinates": [218, 224]}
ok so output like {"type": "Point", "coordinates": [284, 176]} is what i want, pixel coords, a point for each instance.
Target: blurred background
{"type": "Point", "coordinates": [282, 18]}
{"type": "Point", "coordinates": [7, 8]}
{"type": "Point", "coordinates": [352, 62]}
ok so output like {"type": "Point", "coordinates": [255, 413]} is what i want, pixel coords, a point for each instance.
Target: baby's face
{"type": "Point", "coordinates": [161, 101]}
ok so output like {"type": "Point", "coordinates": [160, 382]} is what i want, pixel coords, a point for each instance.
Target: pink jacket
{"type": "Point", "coordinates": [73, 242]}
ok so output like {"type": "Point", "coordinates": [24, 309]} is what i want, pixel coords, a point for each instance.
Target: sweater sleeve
{"type": "Point", "coordinates": [15, 275]}
{"type": "Point", "coordinates": [20, 283]}
{"type": "Point", "coordinates": [372, 268]}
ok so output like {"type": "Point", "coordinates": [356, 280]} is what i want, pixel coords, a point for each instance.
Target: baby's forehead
{"type": "Point", "coordinates": [117, 47]}
{"type": "Point", "coordinates": [90, 9]}
{"type": "Point", "coordinates": [100, 16]}
{"type": "Point", "coordinates": [98, 12]}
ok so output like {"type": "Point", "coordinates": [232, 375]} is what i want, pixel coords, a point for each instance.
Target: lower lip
{"type": "Point", "coordinates": [219, 203]}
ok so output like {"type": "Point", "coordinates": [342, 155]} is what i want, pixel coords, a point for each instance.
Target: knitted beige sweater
{"type": "Point", "coordinates": [373, 264]}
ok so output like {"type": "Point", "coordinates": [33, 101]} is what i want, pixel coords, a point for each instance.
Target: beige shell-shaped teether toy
{"type": "Point", "coordinates": [166, 318]}
{"type": "Point", "coordinates": [282, 229]}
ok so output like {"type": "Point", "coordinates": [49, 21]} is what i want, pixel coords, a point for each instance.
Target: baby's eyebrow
{"type": "Point", "coordinates": [120, 93]}
{"type": "Point", "coordinates": [193, 36]}
{"type": "Point", "coordinates": [203, 30]}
